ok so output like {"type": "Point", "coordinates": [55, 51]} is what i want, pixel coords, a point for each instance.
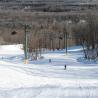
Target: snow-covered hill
{"type": "Point", "coordinates": [41, 79]}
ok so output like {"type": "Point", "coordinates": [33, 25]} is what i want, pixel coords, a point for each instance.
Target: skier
{"type": "Point", "coordinates": [65, 67]}
{"type": "Point", "coordinates": [49, 60]}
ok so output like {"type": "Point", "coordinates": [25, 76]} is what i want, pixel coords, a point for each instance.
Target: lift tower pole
{"type": "Point", "coordinates": [26, 44]}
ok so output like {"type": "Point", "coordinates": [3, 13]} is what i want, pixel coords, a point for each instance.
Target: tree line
{"type": "Point", "coordinates": [54, 35]}
{"type": "Point", "coordinates": [57, 32]}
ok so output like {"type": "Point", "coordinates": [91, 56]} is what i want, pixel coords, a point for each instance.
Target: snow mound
{"type": "Point", "coordinates": [11, 49]}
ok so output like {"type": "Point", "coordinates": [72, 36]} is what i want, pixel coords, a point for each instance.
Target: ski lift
{"type": "Point", "coordinates": [60, 38]}
{"type": "Point", "coordinates": [13, 28]}
{"type": "Point", "coordinates": [13, 33]}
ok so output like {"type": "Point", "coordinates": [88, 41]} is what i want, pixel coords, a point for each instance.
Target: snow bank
{"type": "Point", "coordinates": [11, 49]}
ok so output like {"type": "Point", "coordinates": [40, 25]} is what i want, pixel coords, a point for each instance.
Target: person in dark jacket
{"type": "Point", "coordinates": [65, 67]}
{"type": "Point", "coordinates": [49, 60]}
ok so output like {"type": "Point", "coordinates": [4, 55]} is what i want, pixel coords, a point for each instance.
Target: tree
{"type": "Point", "coordinates": [87, 33]}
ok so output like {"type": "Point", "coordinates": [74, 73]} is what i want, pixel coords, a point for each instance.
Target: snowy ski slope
{"type": "Point", "coordinates": [41, 79]}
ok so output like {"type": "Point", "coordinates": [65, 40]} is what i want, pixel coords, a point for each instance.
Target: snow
{"type": "Point", "coordinates": [11, 49]}
{"type": "Point", "coordinates": [41, 79]}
